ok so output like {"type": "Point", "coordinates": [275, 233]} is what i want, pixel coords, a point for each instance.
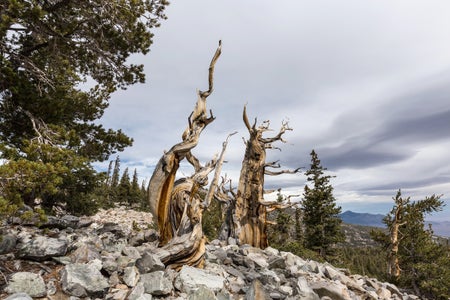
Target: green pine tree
{"type": "Point", "coordinates": [60, 62]}
{"type": "Point", "coordinates": [124, 188]}
{"type": "Point", "coordinates": [135, 191]}
{"type": "Point", "coordinates": [416, 260]}
{"type": "Point", "coordinates": [320, 213]}
{"type": "Point", "coordinates": [144, 197]}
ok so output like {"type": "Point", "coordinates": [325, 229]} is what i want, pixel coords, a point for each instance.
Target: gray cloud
{"type": "Point", "coordinates": [365, 84]}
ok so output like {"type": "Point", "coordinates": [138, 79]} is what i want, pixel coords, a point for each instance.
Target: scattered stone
{"type": "Point", "coordinates": [84, 254]}
{"type": "Point", "coordinates": [25, 282]}
{"type": "Point", "coordinates": [149, 263]}
{"type": "Point", "coordinates": [156, 283]}
{"type": "Point", "coordinates": [42, 248]}
{"type": "Point", "coordinates": [202, 293]}
{"type": "Point", "coordinates": [7, 243]}
{"type": "Point", "coordinates": [190, 278]}
{"type": "Point", "coordinates": [131, 276]}
{"type": "Point", "coordinates": [256, 292]}
{"type": "Point", "coordinates": [113, 256]}
{"type": "Point", "coordinates": [66, 221]}
{"type": "Point", "coordinates": [19, 296]}
{"type": "Point", "coordinates": [82, 280]}
{"type": "Point", "coordinates": [331, 289]}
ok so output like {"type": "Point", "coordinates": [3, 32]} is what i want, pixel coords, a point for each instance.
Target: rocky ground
{"type": "Point", "coordinates": [111, 256]}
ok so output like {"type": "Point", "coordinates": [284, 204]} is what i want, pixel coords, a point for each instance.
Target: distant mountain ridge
{"type": "Point", "coordinates": [366, 219]}
{"type": "Point", "coordinates": [376, 220]}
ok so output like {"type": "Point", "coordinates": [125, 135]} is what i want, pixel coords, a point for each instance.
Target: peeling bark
{"type": "Point", "coordinates": [251, 209]}
{"type": "Point", "coordinates": [176, 205]}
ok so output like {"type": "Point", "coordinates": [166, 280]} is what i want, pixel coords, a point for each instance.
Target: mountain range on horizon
{"type": "Point", "coordinates": [376, 220]}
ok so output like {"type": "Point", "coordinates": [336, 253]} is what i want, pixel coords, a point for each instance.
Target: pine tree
{"type": "Point", "coordinates": [114, 183]}
{"type": "Point", "coordinates": [144, 197]}
{"type": "Point", "coordinates": [124, 188]}
{"type": "Point", "coordinates": [320, 213]}
{"type": "Point", "coordinates": [135, 190]}
{"type": "Point", "coordinates": [415, 259]}
{"type": "Point", "coordinates": [49, 129]}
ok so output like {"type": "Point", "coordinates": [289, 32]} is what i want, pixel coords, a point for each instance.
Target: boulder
{"type": "Point", "coordinates": [42, 248]}
{"type": "Point", "coordinates": [256, 292]}
{"type": "Point", "coordinates": [334, 290]}
{"type": "Point", "coordinates": [19, 296]}
{"type": "Point", "coordinates": [190, 278]}
{"type": "Point", "coordinates": [25, 282]}
{"type": "Point", "coordinates": [202, 293]}
{"type": "Point", "coordinates": [149, 263]}
{"type": "Point", "coordinates": [66, 221]}
{"type": "Point", "coordinates": [131, 276]}
{"type": "Point", "coordinates": [83, 280]}
{"type": "Point", "coordinates": [156, 283]}
{"type": "Point", "coordinates": [305, 292]}
{"type": "Point", "coordinates": [7, 243]}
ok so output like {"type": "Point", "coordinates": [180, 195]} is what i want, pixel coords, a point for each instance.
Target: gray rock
{"type": "Point", "coordinates": [111, 243]}
{"type": "Point", "coordinates": [202, 293]}
{"type": "Point", "coordinates": [117, 294]}
{"type": "Point", "coordinates": [259, 259]}
{"type": "Point", "coordinates": [223, 295]}
{"type": "Point", "coordinates": [131, 252]}
{"type": "Point", "coordinates": [82, 280]}
{"type": "Point", "coordinates": [84, 254]}
{"type": "Point", "coordinates": [156, 283]}
{"type": "Point", "coordinates": [131, 276]}
{"type": "Point", "coordinates": [304, 291]}
{"type": "Point", "coordinates": [269, 277]}
{"type": "Point", "coordinates": [19, 296]}
{"type": "Point", "coordinates": [66, 221]}
{"type": "Point", "coordinates": [334, 290]}
{"type": "Point", "coordinates": [271, 251]}
{"type": "Point", "coordinates": [149, 263]}
{"type": "Point", "coordinates": [113, 228]}
{"type": "Point", "coordinates": [256, 292]}
{"type": "Point", "coordinates": [26, 282]}
{"type": "Point", "coordinates": [190, 278]}
{"type": "Point", "coordinates": [7, 243]}
{"type": "Point", "coordinates": [137, 291]}
{"type": "Point", "coordinates": [42, 248]}
{"type": "Point", "coordinates": [110, 264]}
{"type": "Point", "coordinates": [276, 262]}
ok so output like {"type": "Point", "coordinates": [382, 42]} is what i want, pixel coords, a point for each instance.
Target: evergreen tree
{"type": "Point", "coordinates": [320, 213]}
{"type": "Point", "coordinates": [114, 183]}
{"type": "Point", "coordinates": [48, 123]}
{"type": "Point", "coordinates": [124, 188]}
{"type": "Point", "coordinates": [144, 197]}
{"type": "Point", "coordinates": [135, 190]}
{"type": "Point", "coordinates": [415, 259]}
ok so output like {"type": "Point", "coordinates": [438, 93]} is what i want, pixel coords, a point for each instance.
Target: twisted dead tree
{"type": "Point", "coordinates": [176, 205]}
{"type": "Point", "coordinates": [250, 207]}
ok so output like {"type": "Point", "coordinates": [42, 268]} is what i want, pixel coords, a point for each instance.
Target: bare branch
{"type": "Point", "coordinates": [211, 72]}
{"type": "Point", "coordinates": [284, 127]}
{"type": "Point", "coordinates": [219, 164]}
{"type": "Point", "coordinates": [245, 118]}
{"type": "Point", "coordinates": [272, 173]}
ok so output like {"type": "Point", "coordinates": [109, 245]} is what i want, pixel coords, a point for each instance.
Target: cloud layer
{"type": "Point", "coordinates": [367, 85]}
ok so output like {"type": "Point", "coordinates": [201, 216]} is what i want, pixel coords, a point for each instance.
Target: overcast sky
{"type": "Point", "coordinates": [364, 83]}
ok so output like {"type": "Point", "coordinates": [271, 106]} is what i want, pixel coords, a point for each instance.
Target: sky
{"type": "Point", "coordinates": [366, 84]}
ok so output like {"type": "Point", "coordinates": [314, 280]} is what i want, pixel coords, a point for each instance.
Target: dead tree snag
{"type": "Point", "coordinates": [175, 218]}
{"type": "Point", "coordinates": [251, 208]}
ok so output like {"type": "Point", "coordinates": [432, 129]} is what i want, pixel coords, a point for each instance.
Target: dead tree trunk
{"type": "Point", "coordinates": [161, 185]}
{"type": "Point", "coordinates": [251, 208]}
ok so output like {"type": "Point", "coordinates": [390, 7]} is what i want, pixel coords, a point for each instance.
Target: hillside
{"type": "Point", "coordinates": [376, 220]}
{"type": "Point", "coordinates": [112, 256]}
